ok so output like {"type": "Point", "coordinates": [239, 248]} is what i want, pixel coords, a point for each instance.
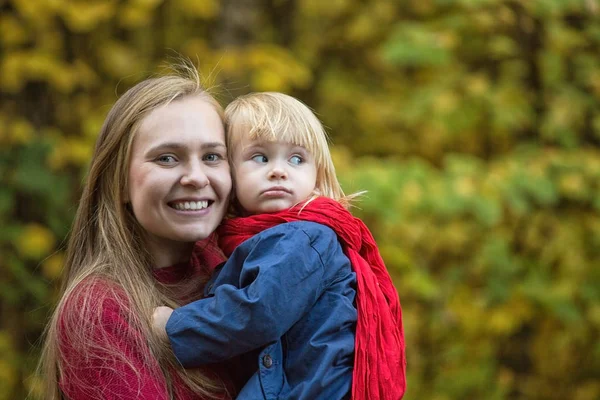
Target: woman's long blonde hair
{"type": "Point", "coordinates": [273, 116]}
{"type": "Point", "coordinates": [106, 242]}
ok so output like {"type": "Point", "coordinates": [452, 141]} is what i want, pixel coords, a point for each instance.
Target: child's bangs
{"type": "Point", "coordinates": [289, 128]}
{"type": "Point", "coordinates": [273, 117]}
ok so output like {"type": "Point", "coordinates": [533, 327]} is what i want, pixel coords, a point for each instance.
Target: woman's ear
{"type": "Point", "coordinates": [125, 194]}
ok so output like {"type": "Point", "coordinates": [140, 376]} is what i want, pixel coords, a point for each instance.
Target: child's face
{"type": "Point", "coordinates": [272, 176]}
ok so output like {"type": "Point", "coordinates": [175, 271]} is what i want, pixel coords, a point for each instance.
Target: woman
{"type": "Point", "coordinates": [158, 183]}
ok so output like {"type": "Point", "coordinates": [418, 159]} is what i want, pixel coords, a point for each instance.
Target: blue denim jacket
{"type": "Point", "coordinates": [288, 292]}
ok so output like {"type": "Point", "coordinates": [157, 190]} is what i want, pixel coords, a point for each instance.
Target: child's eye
{"type": "Point", "coordinates": [166, 159]}
{"type": "Point", "coordinates": [296, 160]}
{"type": "Point", "coordinates": [260, 158]}
{"type": "Point", "coordinates": [213, 157]}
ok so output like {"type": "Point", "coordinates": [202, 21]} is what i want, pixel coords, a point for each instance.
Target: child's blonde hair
{"type": "Point", "coordinates": [272, 117]}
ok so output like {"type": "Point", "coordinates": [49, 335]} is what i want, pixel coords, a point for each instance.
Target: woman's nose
{"type": "Point", "coordinates": [195, 176]}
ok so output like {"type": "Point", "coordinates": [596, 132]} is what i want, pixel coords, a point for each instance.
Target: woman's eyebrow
{"type": "Point", "coordinates": [166, 145]}
{"type": "Point", "coordinates": [179, 146]}
{"type": "Point", "coordinates": [212, 145]}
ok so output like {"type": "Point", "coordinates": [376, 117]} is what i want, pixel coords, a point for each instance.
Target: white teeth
{"type": "Point", "coordinates": [191, 205]}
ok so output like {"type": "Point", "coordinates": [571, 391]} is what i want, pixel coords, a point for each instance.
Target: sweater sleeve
{"type": "Point", "coordinates": [103, 354]}
{"type": "Point", "coordinates": [270, 283]}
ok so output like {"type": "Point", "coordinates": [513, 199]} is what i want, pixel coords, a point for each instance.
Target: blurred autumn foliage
{"type": "Point", "coordinates": [473, 124]}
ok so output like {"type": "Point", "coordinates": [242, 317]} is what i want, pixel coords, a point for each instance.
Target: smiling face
{"type": "Point", "coordinates": [179, 181]}
{"type": "Point", "coordinates": [272, 176]}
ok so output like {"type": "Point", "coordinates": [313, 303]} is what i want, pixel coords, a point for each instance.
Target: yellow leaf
{"type": "Point", "coordinates": [412, 193]}
{"type": "Point", "coordinates": [134, 16]}
{"type": "Point", "coordinates": [572, 184]}
{"type": "Point", "coordinates": [80, 151]}
{"type": "Point", "coordinates": [275, 60]}
{"type": "Point", "coordinates": [501, 321]}
{"type": "Point", "coordinates": [361, 29]}
{"type": "Point", "coordinates": [195, 48]}
{"type": "Point", "coordinates": [483, 20]}
{"type": "Point", "coordinates": [506, 377]}
{"type": "Point", "coordinates": [21, 132]}
{"type": "Point", "coordinates": [507, 15]}
{"type": "Point", "coordinates": [76, 151]}
{"type": "Point", "coordinates": [12, 32]}
{"type": "Point", "coordinates": [3, 130]}
{"type": "Point", "coordinates": [423, 7]}
{"type": "Point", "coordinates": [12, 74]}
{"type": "Point", "coordinates": [447, 40]}
{"type": "Point", "coordinates": [469, 311]}
{"type": "Point", "coordinates": [120, 60]}
{"type": "Point", "coordinates": [265, 80]}
{"type": "Point", "coordinates": [6, 345]}
{"type": "Point", "coordinates": [147, 3]}
{"type": "Point", "coordinates": [52, 266]}
{"type": "Point", "coordinates": [587, 390]}
{"type": "Point", "coordinates": [342, 159]}
{"type": "Point", "coordinates": [37, 13]}
{"type": "Point", "coordinates": [204, 9]}
{"type": "Point", "coordinates": [85, 75]}
{"type": "Point", "coordinates": [594, 82]}
{"type": "Point", "coordinates": [19, 67]}
{"type": "Point", "coordinates": [477, 85]}
{"type": "Point", "coordinates": [63, 81]}
{"type": "Point", "coordinates": [445, 102]}
{"type": "Point", "coordinates": [56, 159]}
{"type": "Point", "coordinates": [8, 376]}
{"type": "Point", "coordinates": [35, 241]}
{"type": "Point", "coordinates": [92, 125]}
{"type": "Point", "coordinates": [329, 8]}
{"type": "Point", "coordinates": [34, 385]}
{"type": "Point", "coordinates": [85, 16]}
{"type": "Point", "coordinates": [464, 186]}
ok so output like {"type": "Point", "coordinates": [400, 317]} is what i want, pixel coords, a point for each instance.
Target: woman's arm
{"type": "Point", "coordinates": [103, 354]}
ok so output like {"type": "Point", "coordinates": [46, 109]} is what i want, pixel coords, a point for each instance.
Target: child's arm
{"type": "Point", "coordinates": [280, 277]}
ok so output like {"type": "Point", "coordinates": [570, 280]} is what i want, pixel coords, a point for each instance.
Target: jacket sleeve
{"type": "Point", "coordinates": [102, 355]}
{"type": "Point", "coordinates": [272, 283]}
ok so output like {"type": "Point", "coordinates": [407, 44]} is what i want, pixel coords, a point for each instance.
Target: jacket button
{"type": "Point", "coordinates": [267, 361]}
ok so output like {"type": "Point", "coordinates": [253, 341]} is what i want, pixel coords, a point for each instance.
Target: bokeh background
{"type": "Point", "coordinates": [473, 124]}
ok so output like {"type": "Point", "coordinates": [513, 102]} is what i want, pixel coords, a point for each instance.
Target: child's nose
{"type": "Point", "coordinates": [277, 172]}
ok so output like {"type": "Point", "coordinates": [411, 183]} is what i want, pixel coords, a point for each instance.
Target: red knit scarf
{"type": "Point", "coordinates": [379, 367]}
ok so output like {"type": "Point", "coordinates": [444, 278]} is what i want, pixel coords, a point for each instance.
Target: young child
{"type": "Point", "coordinates": [304, 286]}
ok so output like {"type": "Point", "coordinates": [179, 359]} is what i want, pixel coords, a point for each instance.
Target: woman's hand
{"type": "Point", "coordinates": [160, 316]}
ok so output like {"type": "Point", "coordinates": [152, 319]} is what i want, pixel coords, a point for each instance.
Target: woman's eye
{"type": "Point", "coordinates": [296, 160]}
{"type": "Point", "coordinates": [213, 157]}
{"type": "Point", "coordinates": [260, 158]}
{"type": "Point", "coordinates": [166, 159]}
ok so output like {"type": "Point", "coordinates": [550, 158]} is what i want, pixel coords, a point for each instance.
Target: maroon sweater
{"type": "Point", "coordinates": [91, 371]}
